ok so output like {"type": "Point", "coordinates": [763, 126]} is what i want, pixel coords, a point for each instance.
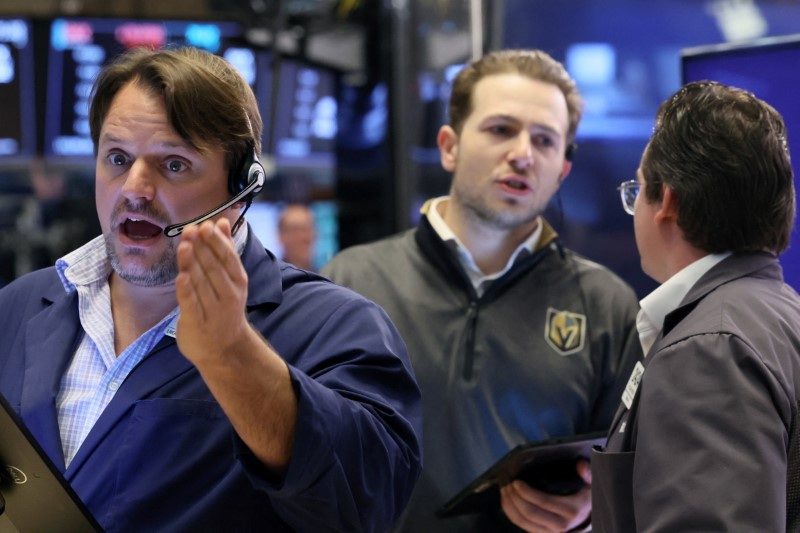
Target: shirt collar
{"type": "Point", "coordinates": [668, 296]}
{"type": "Point", "coordinates": [478, 279]}
{"type": "Point", "coordinates": [85, 265]}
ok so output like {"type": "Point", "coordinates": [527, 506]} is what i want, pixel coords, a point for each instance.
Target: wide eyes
{"type": "Point", "coordinates": [176, 165]}
{"type": "Point", "coordinates": [117, 159]}
{"type": "Point", "coordinates": [173, 166]}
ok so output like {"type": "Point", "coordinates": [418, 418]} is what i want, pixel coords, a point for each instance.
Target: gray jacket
{"type": "Point", "coordinates": [704, 446]}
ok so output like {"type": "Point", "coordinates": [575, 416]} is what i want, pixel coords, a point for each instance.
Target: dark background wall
{"type": "Point", "coordinates": [391, 60]}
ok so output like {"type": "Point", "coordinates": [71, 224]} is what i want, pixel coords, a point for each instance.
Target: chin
{"type": "Point", "coordinates": [147, 277]}
{"type": "Point", "coordinates": [139, 267]}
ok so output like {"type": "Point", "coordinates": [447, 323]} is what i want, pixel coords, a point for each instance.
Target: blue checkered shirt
{"type": "Point", "coordinates": [95, 371]}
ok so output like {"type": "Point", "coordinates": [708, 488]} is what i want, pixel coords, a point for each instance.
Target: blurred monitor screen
{"type": "Point", "coordinates": [305, 118]}
{"type": "Point", "coordinates": [78, 48]}
{"type": "Point", "coordinates": [770, 69]}
{"type": "Point", "coordinates": [17, 94]}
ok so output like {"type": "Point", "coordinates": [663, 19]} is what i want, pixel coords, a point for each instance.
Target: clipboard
{"type": "Point", "coordinates": [33, 492]}
{"type": "Point", "coordinates": [548, 465]}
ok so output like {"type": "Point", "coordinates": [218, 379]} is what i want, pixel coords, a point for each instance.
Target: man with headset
{"type": "Point", "coordinates": [181, 376]}
{"type": "Point", "coordinates": [513, 337]}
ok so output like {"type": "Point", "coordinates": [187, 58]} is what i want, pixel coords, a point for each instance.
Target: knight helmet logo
{"type": "Point", "coordinates": [565, 331]}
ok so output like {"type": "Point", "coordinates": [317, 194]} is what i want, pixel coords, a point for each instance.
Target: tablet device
{"type": "Point", "coordinates": [548, 465]}
{"type": "Point", "coordinates": [33, 493]}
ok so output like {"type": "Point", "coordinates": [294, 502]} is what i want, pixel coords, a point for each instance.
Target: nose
{"type": "Point", "coordinates": [140, 182]}
{"type": "Point", "coordinates": [521, 154]}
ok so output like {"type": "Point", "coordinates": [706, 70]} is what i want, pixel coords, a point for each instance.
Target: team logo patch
{"type": "Point", "coordinates": [565, 331]}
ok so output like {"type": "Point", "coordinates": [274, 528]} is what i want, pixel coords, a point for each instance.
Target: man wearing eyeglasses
{"type": "Point", "coordinates": [707, 436]}
{"type": "Point", "coordinates": [513, 338]}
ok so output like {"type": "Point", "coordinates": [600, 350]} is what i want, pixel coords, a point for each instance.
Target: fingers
{"type": "Point", "coordinates": [585, 471]}
{"type": "Point", "coordinates": [519, 504]}
{"type": "Point", "coordinates": [534, 510]}
{"type": "Point", "coordinates": [211, 277]}
{"type": "Point", "coordinates": [208, 255]}
{"type": "Point", "coordinates": [211, 288]}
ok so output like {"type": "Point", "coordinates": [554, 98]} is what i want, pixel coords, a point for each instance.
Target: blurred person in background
{"type": "Point", "coordinates": [297, 235]}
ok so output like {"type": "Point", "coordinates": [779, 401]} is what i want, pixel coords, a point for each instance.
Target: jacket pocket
{"type": "Point", "coordinates": [612, 492]}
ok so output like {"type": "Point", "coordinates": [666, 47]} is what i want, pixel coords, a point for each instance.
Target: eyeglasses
{"type": "Point", "coordinates": [628, 191]}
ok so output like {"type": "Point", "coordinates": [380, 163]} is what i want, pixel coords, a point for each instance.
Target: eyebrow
{"type": "Point", "coordinates": [512, 118]}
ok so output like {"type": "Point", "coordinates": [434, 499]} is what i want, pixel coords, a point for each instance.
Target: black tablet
{"type": "Point", "coordinates": [548, 465]}
{"type": "Point", "coordinates": [34, 496]}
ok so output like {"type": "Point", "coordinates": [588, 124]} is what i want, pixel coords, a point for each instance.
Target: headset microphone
{"type": "Point", "coordinates": [255, 182]}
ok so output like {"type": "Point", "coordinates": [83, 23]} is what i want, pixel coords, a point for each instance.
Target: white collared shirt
{"type": "Point", "coordinates": [667, 297]}
{"type": "Point", "coordinates": [479, 280]}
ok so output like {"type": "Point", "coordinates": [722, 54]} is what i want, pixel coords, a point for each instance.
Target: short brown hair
{"type": "Point", "coordinates": [534, 64]}
{"type": "Point", "coordinates": [208, 102]}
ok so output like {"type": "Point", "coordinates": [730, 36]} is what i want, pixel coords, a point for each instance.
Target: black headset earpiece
{"type": "Point", "coordinates": [244, 174]}
{"type": "Point", "coordinates": [244, 182]}
{"type": "Point", "coordinates": [570, 153]}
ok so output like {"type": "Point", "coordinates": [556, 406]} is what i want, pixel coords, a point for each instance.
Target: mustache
{"type": "Point", "coordinates": [145, 209]}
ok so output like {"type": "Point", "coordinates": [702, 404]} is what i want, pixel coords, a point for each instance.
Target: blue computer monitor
{"type": "Point", "coordinates": [770, 69]}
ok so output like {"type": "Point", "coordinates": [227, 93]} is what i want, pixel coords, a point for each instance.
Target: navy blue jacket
{"type": "Point", "coordinates": [164, 457]}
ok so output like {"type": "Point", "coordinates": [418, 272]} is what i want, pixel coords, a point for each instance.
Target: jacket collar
{"type": "Point", "coordinates": [443, 258]}
{"type": "Point", "coordinates": [51, 338]}
{"type": "Point", "coordinates": [736, 266]}
{"type": "Point", "coordinates": [265, 284]}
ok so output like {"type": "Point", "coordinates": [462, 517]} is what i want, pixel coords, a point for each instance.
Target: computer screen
{"type": "Point", "coordinates": [17, 94]}
{"type": "Point", "coordinates": [79, 47]}
{"type": "Point", "coordinates": [770, 69]}
{"type": "Point", "coordinates": [305, 125]}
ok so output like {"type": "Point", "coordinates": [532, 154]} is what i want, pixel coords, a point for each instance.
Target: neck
{"type": "Point", "coordinates": [678, 253]}
{"type": "Point", "coordinates": [491, 248]}
{"type": "Point", "coordinates": [136, 309]}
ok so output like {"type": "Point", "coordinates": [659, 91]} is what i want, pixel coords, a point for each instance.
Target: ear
{"type": "Point", "coordinates": [564, 171]}
{"type": "Point", "coordinates": [669, 206]}
{"type": "Point", "coordinates": [447, 140]}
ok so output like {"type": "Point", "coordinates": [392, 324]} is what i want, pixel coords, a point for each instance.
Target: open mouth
{"type": "Point", "coordinates": [140, 229]}
{"type": "Point", "coordinates": [514, 184]}
{"type": "Point", "coordinates": [520, 186]}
